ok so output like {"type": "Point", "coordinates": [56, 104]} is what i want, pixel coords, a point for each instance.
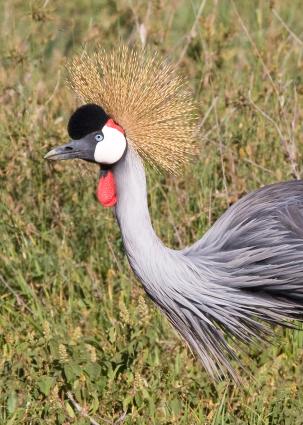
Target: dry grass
{"type": "Point", "coordinates": [76, 328]}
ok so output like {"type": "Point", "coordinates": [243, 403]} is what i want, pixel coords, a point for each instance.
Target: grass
{"type": "Point", "coordinates": [75, 325]}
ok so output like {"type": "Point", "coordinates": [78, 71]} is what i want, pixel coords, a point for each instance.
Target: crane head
{"type": "Point", "coordinates": [141, 92]}
{"type": "Point", "coordinates": [95, 137]}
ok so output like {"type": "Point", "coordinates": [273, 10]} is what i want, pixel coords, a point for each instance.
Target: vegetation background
{"type": "Point", "coordinates": [75, 325]}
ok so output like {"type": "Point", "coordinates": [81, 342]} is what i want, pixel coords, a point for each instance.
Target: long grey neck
{"type": "Point", "coordinates": [132, 213]}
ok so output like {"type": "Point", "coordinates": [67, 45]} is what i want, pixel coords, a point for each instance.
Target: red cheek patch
{"type": "Point", "coordinates": [106, 190]}
{"type": "Point", "coordinates": [111, 123]}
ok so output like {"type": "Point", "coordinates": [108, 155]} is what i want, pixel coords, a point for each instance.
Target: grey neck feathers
{"type": "Point", "coordinates": [140, 240]}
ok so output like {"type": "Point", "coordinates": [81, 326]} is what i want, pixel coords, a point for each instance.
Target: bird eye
{"type": "Point", "coordinates": [99, 137]}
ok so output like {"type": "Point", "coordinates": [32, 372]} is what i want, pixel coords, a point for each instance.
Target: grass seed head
{"type": "Point", "coordinates": [63, 355]}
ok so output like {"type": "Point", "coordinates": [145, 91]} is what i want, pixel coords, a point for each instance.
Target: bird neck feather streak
{"type": "Point", "coordinates": [132, 208]}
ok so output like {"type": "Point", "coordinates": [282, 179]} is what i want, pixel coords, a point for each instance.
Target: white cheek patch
{"type": "Point", "coordinates": [112, 147]}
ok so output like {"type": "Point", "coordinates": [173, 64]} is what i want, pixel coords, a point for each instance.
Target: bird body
{"type": "Point", "coordinates": [245, 272]}
{"type": "Point", "coordinates": [248, 266]}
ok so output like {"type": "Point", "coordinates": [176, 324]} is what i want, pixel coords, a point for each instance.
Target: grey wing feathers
{"type": "Point", "coordinates": [252, 261]}
{"type": "Point", "coordinates": [258, 243]}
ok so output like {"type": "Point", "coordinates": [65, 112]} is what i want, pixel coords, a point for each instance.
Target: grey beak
{"type": "Point", "coordinates": [74, 149]}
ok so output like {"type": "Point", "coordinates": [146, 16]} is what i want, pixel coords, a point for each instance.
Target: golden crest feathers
{"type": "Point", "coordinates": [145, 96]}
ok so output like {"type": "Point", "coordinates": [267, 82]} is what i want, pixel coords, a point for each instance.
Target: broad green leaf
{"type": "Point", "coordinates": [45, 383]}
{"type": "Point", "coordinates": [69, 410]}
{"type": "Point", "coordinates": [12, 402]}
{"type": "Point", "coordinates": [72, 371]}
{"type": "Point", "coordinates": [93, 370]}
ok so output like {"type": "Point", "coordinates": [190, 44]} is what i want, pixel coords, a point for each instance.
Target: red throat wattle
{"type": "Point", "coordinates": [106, 190]}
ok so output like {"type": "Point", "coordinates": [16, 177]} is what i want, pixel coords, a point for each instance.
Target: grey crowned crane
{"type": "Point", "coordinates": [246, 271]}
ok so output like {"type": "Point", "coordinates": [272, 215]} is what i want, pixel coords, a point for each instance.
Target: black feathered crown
{"type": "Point", "coordinates": [85, 120]}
